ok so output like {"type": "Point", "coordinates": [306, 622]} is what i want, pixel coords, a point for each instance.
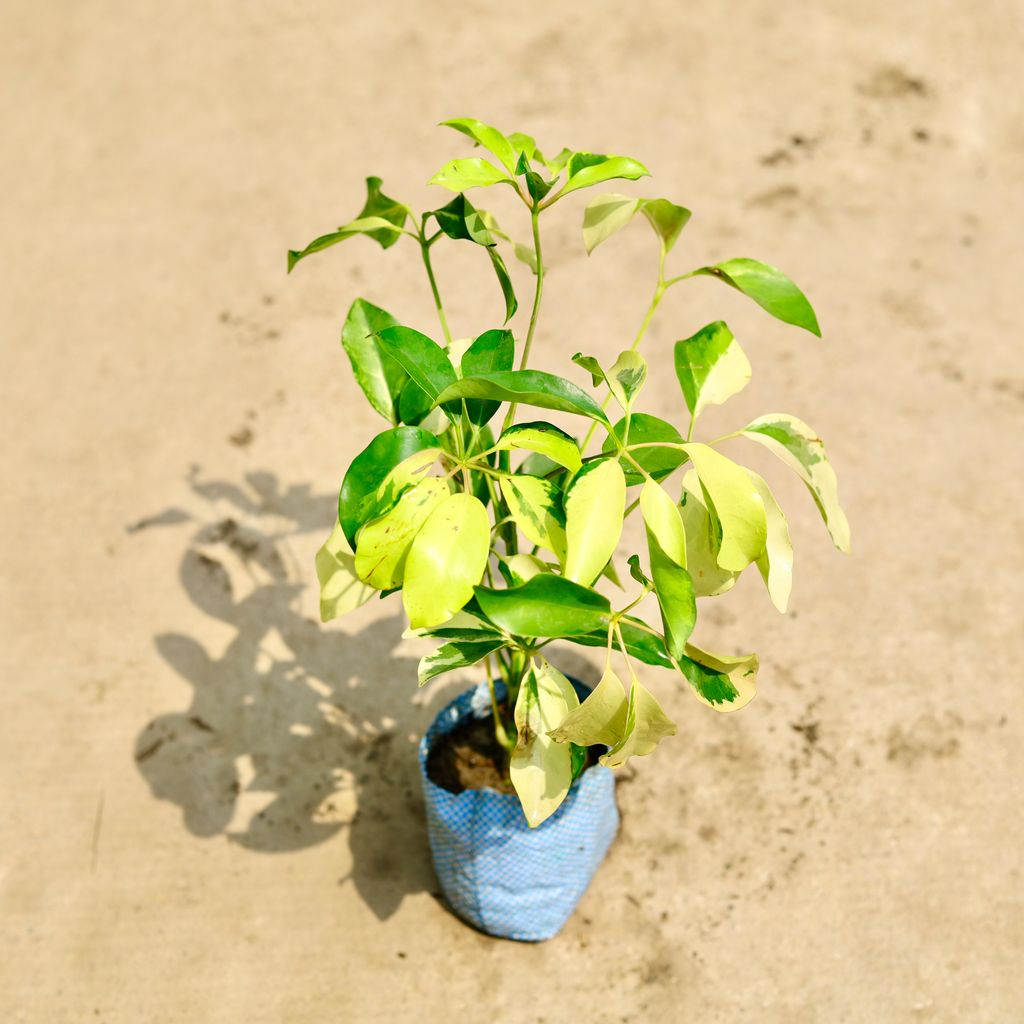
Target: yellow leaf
{"type": "Point", "coordinates": [646, 726]}
{"type": "Point", "coordinates": [594, 507]}
{"type": "Point", "coordinates": [446, 560]}
{"type": "Point", "coordinates": [601, 718]}
{"type": "Point", "coordinates": [541, 769]}
{"type": "Point", "coordinates": [735, 502]}
{"type": "Point", "coordinates": [383, 544]}
{"type": "Point", "coordinates": [776, 561]}
{"type": "Point", "coordinates": [341, 589]}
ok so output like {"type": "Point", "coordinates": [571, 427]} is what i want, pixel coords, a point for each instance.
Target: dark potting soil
{"type": "Point", "coordinates": [470, 757]}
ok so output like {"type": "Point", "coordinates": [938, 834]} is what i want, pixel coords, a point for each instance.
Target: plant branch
{"type": "Point", "coordinates": [629, 607]}
{"type": "Point", "coordinates": [438, 305]}
{"type": "Point", "coordinates": [537, 294]}
{"type": "Point", "coordinates": [500, 733]}
{"type": "Point", "coordinates": [659, 292]}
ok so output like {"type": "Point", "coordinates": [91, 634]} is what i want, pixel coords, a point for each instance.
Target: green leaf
{"type": "Point", "coordinates": [421, 357]}
{"type": "Point", "coordinates": [557, 163]}
{"type": "Point", "coordinates": [380, 377]}
{"type": "Point", "coordinates": [383, 544]}
{"type": "Point", "coordinates": [663, 522]}
{"type": "Point", "coordinates": [609, 213]}
{"type": "Point", "coordinates": [408, 472]}
{"type": "Point", "coordinates": [522, 252]}
{"type": "Point", "coordinates": [775, 563]}
{"type": "Point", "coordinates": [594, 506]}
{"type": "Point", "coordinates": [711, 367]}
{"type": "Point", "coordinates": [460, 219]}
{"type": "Point", "coordinates": [341, 589]}
{"type": "Point", "coordinates": [525, 144]}
{"type": "Point", "coordinates": [501, 271]}
{"type": "Point", "coordinates": [625, 378]}
{"type": "Point", "coordinates": [540, 465]}
{"type": "Point", "coordinates": [636, 572]}
{"type": "Point", "coordinates": [492, 350]}
{"type": "Point", "coordinates": [381, 219]}
{"type": "Point", "coordinates": [734, 501]}
{"type": "Point", "coordinates": [646, 726]}
{"type": "Point", "coordinates": [601, 718]}
{"type": "Point", "coordinates": [415, 405]}
{"type": "Point", "coordinates": [535, 505]}
{"type": "Point", "coordinates": [490, 138]}
{"type": "Point", "coordinates": [702, 542]}
{"type": "Point", "coordinates": [458, 654]}
{"type": "Point", "coordinates": [446, 560]}
{"type": "Point", "coordinates": [462, 626]}
{"type": "Point", "coordinates": [667, 219]}
{"type": "Point", "coordinates": [586, 169]}
{"type": "Point", "coordinates": [526, 387]}
{"type": "Point", "coordinates": [644, 429]}
{"type": "Point", "coordinates": [371, 226]}
{"type": "Point", "coordinates": [641, 643]}
{"type": "Point", "coordinates": [384, 207]}
{"type": "Point", "coordinates": [676, 599]}
{"type": "Point", "coordinates": [535, 184]}
{"type": "Point", "coordinates": [545, 439]}
{"type": "Point", "coordinates": [769, 288]}
{"type": "Point", "coordinates": [800, 448]}
{"type": "Point", "coordinates": [541, 769]}
{"type": "Point", "coordinates": [666, 543]}
{"type": "Point", "coordinates": [474, 172]}
{"type": "Point", "coordinates": [545, 606]}
{"type": "Point", "coordinates": [592, 366]}
{"type": "Point", "coordinates": [579, 756]}
{"type": "Point", "coordinates": [606, 215]}
{"type": "Point", "coordinates": [379, 205]}
{"type": "Point", "coordinates": [369, 470]}
{"type": "Point", "coordinates": [723, 682]}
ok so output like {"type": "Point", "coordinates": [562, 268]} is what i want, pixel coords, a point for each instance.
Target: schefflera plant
{"type": "Point", "coordinates": [496, 535]}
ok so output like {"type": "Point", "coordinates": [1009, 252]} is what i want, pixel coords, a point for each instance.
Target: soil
{"type": "Point", "coordinates": [470, 757]}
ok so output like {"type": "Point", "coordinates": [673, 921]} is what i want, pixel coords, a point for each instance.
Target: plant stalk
{"type": "Point", "coordinates": [438, 305]}
{"type": "Point", "coordinates": [537, 294]}
{"type": "Point", "coordinates": [659, 293]}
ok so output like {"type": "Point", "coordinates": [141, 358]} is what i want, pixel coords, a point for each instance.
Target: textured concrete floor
{"type": "Point", "coordinates": [210, 809]}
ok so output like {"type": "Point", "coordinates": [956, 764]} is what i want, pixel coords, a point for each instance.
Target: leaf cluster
{"type": "Point", "coordinates": [501, 533]}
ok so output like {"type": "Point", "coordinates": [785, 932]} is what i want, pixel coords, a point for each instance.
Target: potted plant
{"type": "Point", "coordinates": [497, 526]}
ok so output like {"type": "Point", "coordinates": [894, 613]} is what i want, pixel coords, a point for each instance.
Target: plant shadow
{"type": "Point", "coordinates": [295, 732]}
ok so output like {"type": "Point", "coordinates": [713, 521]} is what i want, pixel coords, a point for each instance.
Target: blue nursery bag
{"type": "Point", "coordinates": [496, 872]}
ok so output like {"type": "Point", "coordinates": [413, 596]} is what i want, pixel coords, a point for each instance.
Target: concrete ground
{"type": "Point", "coordinates": [210, 806]}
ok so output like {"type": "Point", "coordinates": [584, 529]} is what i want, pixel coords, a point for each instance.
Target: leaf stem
{"type": "Point", "coordinates": [629, 607]}
{"type": "Point", "coordinates": [659, 292]}
{"type": "Point", "coordinates": [537, 294]}
{"type": "Point", "coordinates": [625, 653]}
{"type": "Point", "coordinates": [500, 733]}
{"type": "Point", "coordinates": [681, 277]}
{"type": "Point", "coordinates": [438, 305]}
{"type": "Point", "coordinates": [724, 437]}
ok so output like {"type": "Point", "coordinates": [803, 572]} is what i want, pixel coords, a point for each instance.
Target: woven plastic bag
{"type": "Point", "coordinates": [496, 872]}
